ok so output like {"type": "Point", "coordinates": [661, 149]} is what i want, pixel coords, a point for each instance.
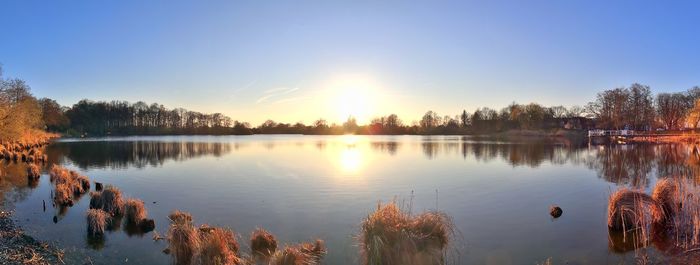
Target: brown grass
{"type": "Point", "coordinates": [219, 246]}
{"type": "Point", "coordinates": [97, 222]}
{"type": "Point", "coordinates": [183, 238]}
{"type": "Point", "coordinates": [134, 211]}
{"type": "Point", "coordinates": [83, 182]}
{"type": "Point", "coordinates": [301, 254]}
{"type": "Point", "coordinates": [685, 225]}
{"type": "Point", "coordinates": [111, 200]}
{"type": "Point", "coordinates": [95, 200]}
{"type": "Point", "coordinates": [33, 171]}
{"type": "Point", "coordinates": [666, 193]}
{"type": "Point", "coordinates": [204, 245]}
{"type": "Point", "coordinates": [391, 236]}
{"type": "Point", "coordinates": [628, 209]}
{"type": "Point", "coordinates": [670, 218]}
{"type": "Point", "coordinates": [179, 217]}
{"type": "Point", "coordinates": [62, 195]}
{"type": "Point", "coordinates": [262, 242]}
{"type": "Point", "coordinates": [76, 183]}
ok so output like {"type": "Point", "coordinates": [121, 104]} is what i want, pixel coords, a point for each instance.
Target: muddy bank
{"type": "Point", "coordinates": [16, 247]}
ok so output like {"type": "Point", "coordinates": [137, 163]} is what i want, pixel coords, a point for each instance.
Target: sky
{"type": "Point", "coordinates": [304, 60]}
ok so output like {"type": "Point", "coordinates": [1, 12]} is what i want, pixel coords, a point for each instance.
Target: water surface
{"type": "Point", "coordinates": [306, 187]}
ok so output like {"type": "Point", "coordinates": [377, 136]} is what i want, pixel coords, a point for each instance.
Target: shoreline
{"type": "Point", "coordinates": [16, 247]}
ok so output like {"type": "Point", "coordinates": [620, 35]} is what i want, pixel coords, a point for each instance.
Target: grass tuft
{"type": "Point", "coordinates": [392, 236]}
{"type": "Point", "coordinates": [135, 212]}
{"type": "Point", "coordinates": [262, 242]}
{"type": "Point", "coordinates": [97, 222]}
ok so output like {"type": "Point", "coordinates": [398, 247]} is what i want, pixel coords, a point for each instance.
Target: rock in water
{"type": "Point", "coordinates": [555, 211]}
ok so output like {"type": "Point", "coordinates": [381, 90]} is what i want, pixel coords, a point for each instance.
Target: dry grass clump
{"type": "Point", "coordinates": [666, 193]}
{"type": "Point", "coordinates": [262, 242]}
{"type": "Point", "coordinates": [179, 217]}
{"type": "Point", "coordinates": [83, 182]}
{"type": "Point", "coordinates": [33, 171]}
{"type": "Point", "coordinates": [219, 246]}
{"type": "Point", "coordinates": [391, 236]}
{"type": "Point", "coordinates": [628, 209]}
{"type": "Point", "coordinates": [111, 200]}
{"type": "Point", "coordinates": [134, 211]}
{"type": "Point", "coordinates": [685, 225]}
{"type": "Point", "coordinates": [301, 254]}
{"type": "Point", "coordinates": [96, 221]}
{"type": "Point", "coordinates": [95, 200]}
{"type": "Point", "coordinates": [204, 245]}
{"type": "Point", "coordinates": [63, 195]}
{"type": "Point", "coordinates": [670, 218]}
{"type": "Point", "coordinates": [183, 238]}
{"type": "Point", "coordinates": [6, 154]}
{"type": "Point", "coordinates": [76, 183]}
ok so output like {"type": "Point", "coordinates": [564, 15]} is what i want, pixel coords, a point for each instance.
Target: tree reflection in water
{"type": "Point", "coordinates": [138, 154]}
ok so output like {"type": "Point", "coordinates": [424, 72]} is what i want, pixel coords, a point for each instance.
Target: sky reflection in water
{"type": "Point", "coordinates": [301, 187]}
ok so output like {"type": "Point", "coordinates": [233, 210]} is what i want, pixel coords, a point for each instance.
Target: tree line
{"type": "Point", "coordinates": [634, 107]}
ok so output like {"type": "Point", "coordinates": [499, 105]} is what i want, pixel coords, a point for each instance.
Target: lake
{"type": "Point", "coordinates": [305, 187]}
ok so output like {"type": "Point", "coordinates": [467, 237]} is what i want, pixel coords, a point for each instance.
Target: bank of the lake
{"type": "Point", "coordinates": [16, 247]}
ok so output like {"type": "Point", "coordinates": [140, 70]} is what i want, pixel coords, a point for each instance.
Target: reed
{"type": "Point", "coordinates": [301, 254]}
{"type": "Point", "coordinates": [183, 238]}
{"type": "Point", "coordinates": [666, 194]}
{"type": "Point", "coordinates": [135, 211]}
{"type": "Point", "coordinates": [262, 242]}
{"type": "Point", "coordinates": [219, 246]}
{"type": "Point", "coordinates": [179, 217]}
{"type": "Point", "coordinates": [95, 200]}
{"type": "Point", "coordinates": [669, 218]}
{"type": "Point", "coordinates": [628, 209]}
{"type": "Point", "coordinates": [392, 236]}
{"type": "Point", "coordinates": [62, 195]}
{"type": "Point", "coordinates": [33, 172]}
{"type": "Point", "coordinates": [96, 221]}
{"type": "Point", "coordinates": [111, 200]}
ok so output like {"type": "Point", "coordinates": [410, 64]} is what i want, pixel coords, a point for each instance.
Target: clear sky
{"type": "Point", "coordinates": [303, 60]}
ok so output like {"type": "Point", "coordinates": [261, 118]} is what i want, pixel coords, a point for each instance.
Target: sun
{"type": "Point", "coordinates": [354, 102]}
{"type": "Point", "coordinates": [353, 96]}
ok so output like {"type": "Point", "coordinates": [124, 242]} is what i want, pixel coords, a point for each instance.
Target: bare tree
{"type": "Point", "coordinates": [672, 109]}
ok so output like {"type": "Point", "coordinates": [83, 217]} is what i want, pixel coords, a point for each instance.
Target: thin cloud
{"type": "Point", "coordinates": [286, 100]}
{"type": "Point", "coordinates": [276, 92]}
{"type": "Point", "coordinates": [252, 83]}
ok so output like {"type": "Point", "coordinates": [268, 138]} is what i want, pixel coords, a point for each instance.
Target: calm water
{"type": "Point", "coordinates": [306, 187]}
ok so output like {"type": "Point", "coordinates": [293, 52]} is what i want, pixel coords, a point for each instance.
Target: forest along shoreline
{"type": "Point", "coordinates": [16, 247]}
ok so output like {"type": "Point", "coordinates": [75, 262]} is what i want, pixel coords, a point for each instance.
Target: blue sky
{"type": "Point", "coordinates": [299, 60]}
